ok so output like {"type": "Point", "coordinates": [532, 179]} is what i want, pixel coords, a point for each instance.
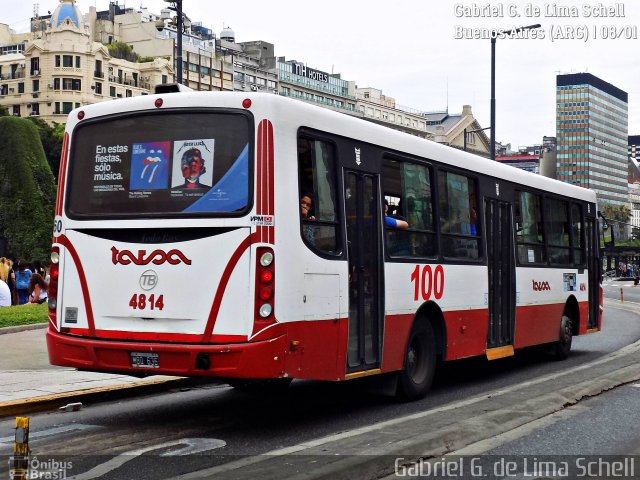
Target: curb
{"type": "Point", "coordinates": [22, 328]}
{"type": "Point", "coordinates": [97, 394]}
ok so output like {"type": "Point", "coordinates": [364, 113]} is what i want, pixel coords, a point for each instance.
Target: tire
{"type": "Point", "coordinates": [563, 345]}
{"type": "Point", "coordinates": [268, 386]}
{"type": "Point", "coordinates": [416, 376]}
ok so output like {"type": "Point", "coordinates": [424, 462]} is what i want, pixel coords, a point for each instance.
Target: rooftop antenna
{"type": "Point", "coordinates": [36, 9]}
{"type": "Point", "coordinates": [447, 95]}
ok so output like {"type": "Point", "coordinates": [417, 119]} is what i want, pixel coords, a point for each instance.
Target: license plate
{"type": "Point", "coordinates": [144, 360]}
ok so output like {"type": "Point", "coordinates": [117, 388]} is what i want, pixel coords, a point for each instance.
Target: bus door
{"type": "Point", "coordinates": [594, 264]}
{"type": "Point", "coordinates": [362, 203]}
{"type": "Point", "coordinates": [501, 267]}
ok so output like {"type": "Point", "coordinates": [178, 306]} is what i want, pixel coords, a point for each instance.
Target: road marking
{"type": "Point", "coordinates": [49, 432]}
{"type": "Point", "coordinates": [194, 445]}
{"type": "Point", "coordinates": [210, 472]}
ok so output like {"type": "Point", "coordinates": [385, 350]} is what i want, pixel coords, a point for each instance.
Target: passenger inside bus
{"type": "Point", "coordinates": [306, 213]}
{"type": "Point", "coordinates": [393, 222]}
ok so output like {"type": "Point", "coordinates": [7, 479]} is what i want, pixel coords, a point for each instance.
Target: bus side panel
{"type": "Point", "coordinates": [543, 294]}
{"type": "Point", "coordinates": [317, 349]}
{"type": "Point", "coordinates": [466, 333]}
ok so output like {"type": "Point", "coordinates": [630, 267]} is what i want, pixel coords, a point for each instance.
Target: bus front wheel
{"type": "Point", "coordinates": [563, 345]}
{"type": "Point", "coordinates": [416, 376]}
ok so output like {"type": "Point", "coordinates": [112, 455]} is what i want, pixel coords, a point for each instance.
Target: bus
{"type": "Point", "coordinates": [179, 246]}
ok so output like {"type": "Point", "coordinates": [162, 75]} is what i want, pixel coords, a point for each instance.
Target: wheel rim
{"type": "Point", "coordinates": [417, 360]}
{"type": "Point", "coordinates": [567, 333]}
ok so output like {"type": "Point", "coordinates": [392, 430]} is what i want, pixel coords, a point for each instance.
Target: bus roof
{"type": "Point", "coordinates": [295, 114]}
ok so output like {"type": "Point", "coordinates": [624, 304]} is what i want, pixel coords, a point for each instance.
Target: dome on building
{"type": "Point", "coordinates": [228, 35]}
{"type": "Point", "coordinates": [67, 12]}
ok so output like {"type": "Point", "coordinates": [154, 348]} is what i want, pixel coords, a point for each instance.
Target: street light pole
{"type": "Point", "coordinates": [493, 83]}
{"type": "Point", "coordinates": [176, 6]}
{"type": "Point", "coordinates": [179, 42]}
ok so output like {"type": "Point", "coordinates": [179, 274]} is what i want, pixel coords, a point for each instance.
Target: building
{"type": "Point", "coordinates": [328, 90]}
{"type": "Point", "coordinates": [592, 130]}
{"type": "Point", "coordinates": [441, 127]}
{"type": "Point", "coordinates": [57, 67]}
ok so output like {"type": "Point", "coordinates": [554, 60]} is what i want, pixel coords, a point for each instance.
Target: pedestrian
{"type": "Point", "coordinates": [37, 289]}
{"type": "Point", "coordinates": [23, 276]}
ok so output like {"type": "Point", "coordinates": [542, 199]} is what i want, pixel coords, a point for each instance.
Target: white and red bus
{"type": "Point", "coordinates": [179, 246]}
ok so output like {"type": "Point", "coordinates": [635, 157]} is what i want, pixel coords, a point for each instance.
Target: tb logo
{"type": "Point", "coordinates": [148, 280]}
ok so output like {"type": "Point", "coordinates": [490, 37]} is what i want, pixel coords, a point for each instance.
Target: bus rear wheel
{"type": "Point", "coordinates": [416, 376]}
{"type": "Point", "coordinates": [563, 345]}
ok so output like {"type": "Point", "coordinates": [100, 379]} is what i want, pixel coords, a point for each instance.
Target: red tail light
{"type": "Point", "coordinates": [265, 288]}
{"type": "Point", "coordinates": [52, 291]}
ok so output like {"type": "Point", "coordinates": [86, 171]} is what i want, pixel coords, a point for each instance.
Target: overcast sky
{"type": "Point", "coordinates": [408, 49]}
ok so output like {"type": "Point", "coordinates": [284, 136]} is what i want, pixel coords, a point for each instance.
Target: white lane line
{"type": "Point", "coordinates": [49, 432]}
{"type": "Point", "coordinates": [194, 445]}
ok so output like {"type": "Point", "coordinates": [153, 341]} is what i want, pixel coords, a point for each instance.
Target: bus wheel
{"type": "Point", "coordinates": [416, 376]}
{"type": "Point", "coordinates": [563, 345]}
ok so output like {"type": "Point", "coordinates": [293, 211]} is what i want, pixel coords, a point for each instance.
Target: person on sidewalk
{"type": "Point", "coordinates": [23, 276]}
{"type": "Point", "coordinates": [5, 294]}
{"type": "Point", "coordinates": [37, 289]}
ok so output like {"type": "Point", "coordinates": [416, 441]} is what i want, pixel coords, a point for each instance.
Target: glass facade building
{"type": "Point", "coordinates": [592, 124]}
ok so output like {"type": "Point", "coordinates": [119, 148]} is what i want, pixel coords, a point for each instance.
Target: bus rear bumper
{"type": "Point", "coordinates": [263, 359]}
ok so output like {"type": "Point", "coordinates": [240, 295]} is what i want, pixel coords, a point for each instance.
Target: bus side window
{"type": "Point", "coordinates": [408, 188]}
{"type": "Point", "coordinates": [317, 178]}
{"type": "Point", "coordinates": [529, 231]}
{"type": "Point", "coordinates": [556, 214]}
{"type": "Point", "coordinates": [459, 230]}
{"type": "Point", "coordinates": [577, 237]}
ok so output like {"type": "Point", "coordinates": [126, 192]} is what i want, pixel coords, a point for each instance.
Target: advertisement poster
{"type": "Point", "coordinates": [150, 165]}
{"type": "Point", "coordinates": [192, 164]}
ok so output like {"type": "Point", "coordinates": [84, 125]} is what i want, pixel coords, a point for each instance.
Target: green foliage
{"type": "Point", "coordinates": [4, 111]}
{"type": "Point", "coordinates": [51, 138]}
{"type": "Point", "coordinates": [122, 50]}
{"type": "Point", "coordinates": [146, 59]}
{"type": "Point", "coordinates": [23, 315]}
{"type": "Point", "coordinates": [27, 190]}
{"type": "Point", "coordinates": [621, 213]}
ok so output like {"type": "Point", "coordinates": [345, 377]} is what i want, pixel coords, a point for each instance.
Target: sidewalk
{"type": "Point", "coordinates": [29, 383]}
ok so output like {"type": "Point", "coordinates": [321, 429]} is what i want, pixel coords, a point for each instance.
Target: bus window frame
{"type": "Point", "coordinates": [313, 135]}
{"type": "Point", "coordinates": [478, 180]}
{"type": "Point", "coordinates": [173, 215]}
{"type": "Point", "coordinates": [547, 198]}
{"type": "Point", "coordinates": [388, 155]}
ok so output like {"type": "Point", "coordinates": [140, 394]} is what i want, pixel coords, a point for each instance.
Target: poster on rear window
{"type": "Point", "coordinates": [109, 167]}
{"type": "Point", "coordinates": [150, 165]}
{"type": "Point", "coordinates": [192, 171]}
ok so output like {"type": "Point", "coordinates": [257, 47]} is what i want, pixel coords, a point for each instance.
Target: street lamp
{"type": "Point", "coordinates": [493, 83]}
{"type": "Point", "coordinates": [177, 7]}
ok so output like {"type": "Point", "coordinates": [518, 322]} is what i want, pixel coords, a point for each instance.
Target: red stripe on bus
{"type": "Point", "coordinates": [271, 191]}
{"type": "Point", "coordinates": [222, 285]}
{"type": "Point", "coordinates": [63, 240]}
{"type": "Point", "coordinates": [259, 172]}
{"type": "Point", "coordinates": [62, 173]}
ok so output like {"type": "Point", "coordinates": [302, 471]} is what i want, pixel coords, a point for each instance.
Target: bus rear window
{"type": "Point", "coordinates": [160, 164]}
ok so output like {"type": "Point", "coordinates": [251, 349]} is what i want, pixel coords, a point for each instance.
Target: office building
{"type": "Point", "coordinates": [592, 131]}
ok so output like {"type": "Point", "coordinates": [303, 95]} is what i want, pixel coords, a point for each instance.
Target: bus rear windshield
{"type": "Point", "coordinates": [160, 164]}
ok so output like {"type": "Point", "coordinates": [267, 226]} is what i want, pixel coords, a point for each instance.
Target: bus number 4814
{"type": "Point", "coordinates": [428, 281]}
{"type": "Point", "coordinates": [141, 301]}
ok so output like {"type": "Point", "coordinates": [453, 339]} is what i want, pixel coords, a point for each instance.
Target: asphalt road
{"type": "Point", "coordinates": [213, 424]}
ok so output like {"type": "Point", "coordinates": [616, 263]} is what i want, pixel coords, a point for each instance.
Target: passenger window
{"type": "Point", "coordinates": [407, 188]}
{"type": "Point", "coordinates": [556, 215]}
{"type": "Point", "coordinates": [459, 228]}
{"type": "Point", "coordinates": [529, 230]}
{"type": "Point", "coordinates": [317, 183]}
{"type": "Point", "coordinates": [577, 238]}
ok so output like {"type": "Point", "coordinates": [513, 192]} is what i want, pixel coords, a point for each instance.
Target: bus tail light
{"type": "Point", "coordinates": [52, 292]}
{"type": "Point", "coordinates": [265, 281]}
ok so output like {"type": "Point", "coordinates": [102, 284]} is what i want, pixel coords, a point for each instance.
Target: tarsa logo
{"type": "Point", "coordinates": [157, 257]}
{"type": "Point", "coordinates": [540, 286]}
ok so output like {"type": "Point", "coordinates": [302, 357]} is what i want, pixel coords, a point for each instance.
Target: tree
{"type": "Point", "coordinates": [122, 50]}
{"type": "Point", "coordinates": [620, 213]}
{"type": "Point", "coordinates": [51, 139]}
{"type": "Point", "coordinates": [27, 191]}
